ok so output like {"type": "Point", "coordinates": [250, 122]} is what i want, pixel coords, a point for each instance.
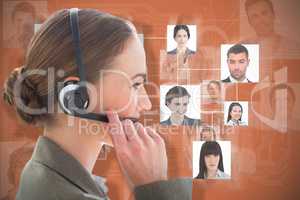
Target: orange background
{"type": "Point", "coordinates": [265, 161]}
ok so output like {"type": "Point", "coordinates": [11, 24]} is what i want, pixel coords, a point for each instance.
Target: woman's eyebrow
{"type": "Point", "coordinates": [143, 75]}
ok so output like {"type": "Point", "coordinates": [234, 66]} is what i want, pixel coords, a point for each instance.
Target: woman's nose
{"type": "Point", "coordinates": [144, 101]}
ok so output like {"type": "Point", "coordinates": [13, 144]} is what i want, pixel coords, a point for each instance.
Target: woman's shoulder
{"type": "Point", "coordinates": [191, 121]}
{"type": "Point", "coordinates": [172, 52]}
{"type": "Point", "coordinates": [233, 123]}
{"type": "Point", "coordinates": [36, 182]}
{"type": "Point", "coordinates": [242, 123]}
{"type": "Point", "coordinates": [40, 182]}
{"type": "Point", "coordinates": [166, 122]}
{"type": "Point", "coordinates": [189, 51]}
{"type": "Point", "coordinates": [230, 123]}
{"type": "Point", "coordinates": [222, 175]}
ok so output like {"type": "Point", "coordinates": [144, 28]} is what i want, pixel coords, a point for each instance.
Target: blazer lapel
{"type": "Point", "coordinates": [50, 154]}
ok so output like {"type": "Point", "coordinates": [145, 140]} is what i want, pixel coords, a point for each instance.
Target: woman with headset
{"type": "Point", "coordinates": [76, 65]}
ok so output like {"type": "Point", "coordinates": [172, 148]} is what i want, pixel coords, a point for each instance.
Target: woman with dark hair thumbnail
{"type": "Point", "coordinates": [181, 36]}
{"type": "Point", "coordinates": [211, 162]}
{"type": "Point", "coordinates": [235, 113]}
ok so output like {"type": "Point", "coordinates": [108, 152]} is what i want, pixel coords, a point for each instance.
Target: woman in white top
{"type": "Point", "coordinates": [211, 162]}
{"type": "Point", "coordinates": [235, 113]}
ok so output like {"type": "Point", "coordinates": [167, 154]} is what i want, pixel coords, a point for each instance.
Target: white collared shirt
{"type": "Point", "coordinates": [236, 123]}
{"type": "Point", "coordinates": [219, 175]}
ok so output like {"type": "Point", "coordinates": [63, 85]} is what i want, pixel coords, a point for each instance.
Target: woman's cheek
{"type": "Point", "coordinates": [125, 102]}
{"type": "Point", "coordinates": [206, 163]}
{"type": "Point", "coordinates": [120, 100]}
{"type": "Point", "coordinates": [236, 116]}
{"type": "Point", "coordinates": [112, 93]}
{"type": "Point", "coordinates": [130, 105]}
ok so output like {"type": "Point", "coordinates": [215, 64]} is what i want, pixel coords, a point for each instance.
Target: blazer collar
{"type": "Point", "coordinates": [53, 156]}
{"type": "Point", "coordinates": [233, 80]}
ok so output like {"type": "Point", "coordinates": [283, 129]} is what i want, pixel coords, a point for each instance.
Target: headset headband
{"type": "Point", "coordinates": [74, 21]}
{"type": "Point", "coordinates": [76, 41]}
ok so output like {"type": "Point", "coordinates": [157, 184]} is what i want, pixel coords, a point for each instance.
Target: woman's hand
{"type": "Point", "coordinates": [140, 151]}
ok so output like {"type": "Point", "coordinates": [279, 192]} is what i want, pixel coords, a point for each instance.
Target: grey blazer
{"type": "Point", "coordinates": [227, 80]}
{"type": "Point", "coordinates": [187, 51]}
{"type": "Point", "coordinates": [186, 121]}
{"type": "Point", "coordinates": [53, 174]}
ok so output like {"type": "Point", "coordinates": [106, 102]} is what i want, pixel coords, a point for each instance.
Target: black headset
{"type": "Point", "coordinates": [73, 97]}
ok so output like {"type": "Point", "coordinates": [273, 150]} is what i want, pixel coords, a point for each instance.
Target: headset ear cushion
{"type": "Point", "coordinates": [81, 98]}
{"type": "Point", "coordinates": [73, 97]}
{"type": "Point", "coordinates": [66, 97]}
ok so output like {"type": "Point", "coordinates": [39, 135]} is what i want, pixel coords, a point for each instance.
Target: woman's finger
{"type": "Point", "coordinates": [142, 132]}
{"type": "Point", "coordinates": [129, 129]}
{"type": "Point", "coordinates": [153, 134]}
{"type": "Point", "coordinates": [116, 129]}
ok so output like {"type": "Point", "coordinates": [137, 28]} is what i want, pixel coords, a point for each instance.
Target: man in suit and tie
{"type": "Point", "coordinates": [238, 61]}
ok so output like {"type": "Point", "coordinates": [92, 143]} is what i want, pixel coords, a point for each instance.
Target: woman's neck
{"type": "Point", "coordinates": [181, 49]}
{"type": "Point", "coordinates": [236, 120]}
{"type": "Point", "coordinates": [83, 146]}
{"type": "Point", "coordinates": [211, 173]}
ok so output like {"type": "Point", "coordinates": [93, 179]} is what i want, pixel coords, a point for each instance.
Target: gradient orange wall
{"type": "Point", "coordinates": [265, 161]}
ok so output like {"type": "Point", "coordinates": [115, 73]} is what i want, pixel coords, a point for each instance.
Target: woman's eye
{"type": "Point", "coordinates": [137, 85]}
